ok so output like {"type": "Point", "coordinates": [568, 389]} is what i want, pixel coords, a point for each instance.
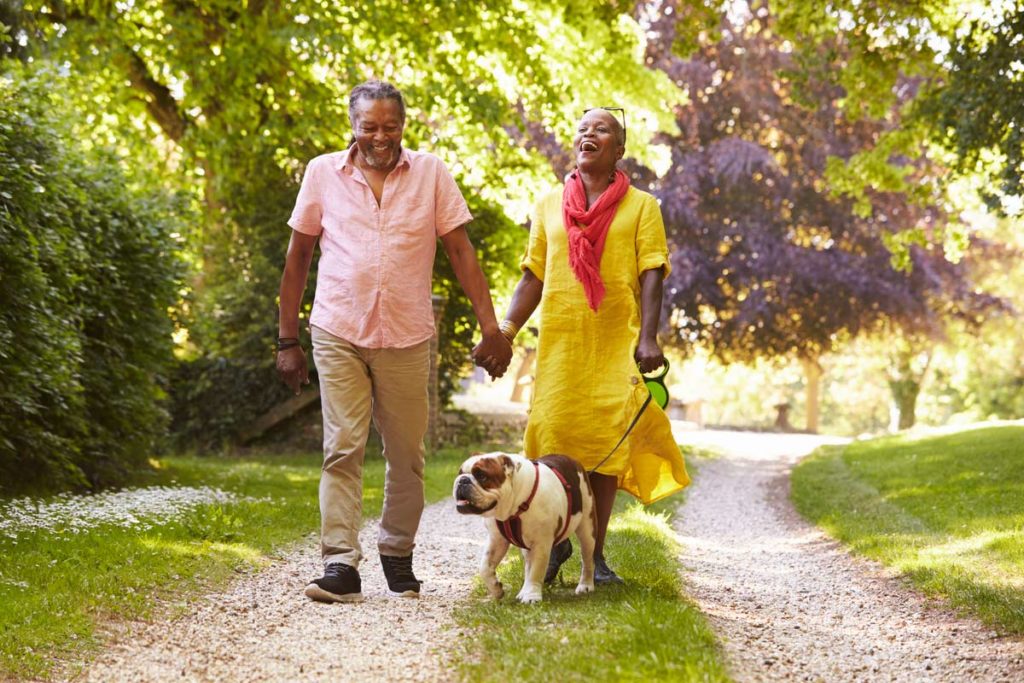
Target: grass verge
{"type": "Point", "coordinates": [58, 588]}
{"type": "Point", "coordinates": [944, 510]}
{"type": "Point", "coordinates": [646, 630]}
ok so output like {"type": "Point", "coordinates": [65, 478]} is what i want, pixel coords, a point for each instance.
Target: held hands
{"type": "Point", "coordinates": [648, 355]}
{"type": "Point", "coordinates": [292, 368]}
{"type": "Point", "coordinates": [493, 354]}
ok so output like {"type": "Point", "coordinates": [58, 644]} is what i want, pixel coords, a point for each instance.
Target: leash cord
{"type": "Point", "coordinates": [628, 430]}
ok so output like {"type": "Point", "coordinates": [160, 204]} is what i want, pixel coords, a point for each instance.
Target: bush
{"type": "Point", "coordinates": [213, 397]}
{"type": "Point", "coordinates": [89, 268]}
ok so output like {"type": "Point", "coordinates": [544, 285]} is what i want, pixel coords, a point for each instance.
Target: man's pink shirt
{"type": "Point", "coordinates": [374, 277]}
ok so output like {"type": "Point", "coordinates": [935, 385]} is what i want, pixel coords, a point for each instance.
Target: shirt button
{"type": "Point", "coordinates": [634, 380]}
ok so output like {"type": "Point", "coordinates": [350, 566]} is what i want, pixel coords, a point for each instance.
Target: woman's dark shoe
{"type": "Point", "coordinates": [559, 554]}
{"type": "Point", "coordinates": [602, 573]}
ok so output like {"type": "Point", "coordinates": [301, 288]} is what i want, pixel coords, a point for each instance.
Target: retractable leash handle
{"type": "Point", "coordinates": [655, 382]}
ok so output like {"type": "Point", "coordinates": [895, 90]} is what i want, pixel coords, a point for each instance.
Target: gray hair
{"type": "Point", "coordinates": [374, 90]}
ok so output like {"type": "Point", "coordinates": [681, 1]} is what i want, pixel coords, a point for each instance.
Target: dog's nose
{"type": "Point", "coordinates": [463, 486]}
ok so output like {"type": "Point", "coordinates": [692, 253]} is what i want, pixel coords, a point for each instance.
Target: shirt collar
{"type": "Point", "coordinates": [344, 164]}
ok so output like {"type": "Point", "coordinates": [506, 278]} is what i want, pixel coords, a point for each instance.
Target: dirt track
{"type": "Point", "coordinates": [264, 629]}
{"type": "Point", "coordinates": [791, 605]}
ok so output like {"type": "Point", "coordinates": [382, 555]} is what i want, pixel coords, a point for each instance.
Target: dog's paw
{"type": "Point", "coordinates": [582, 588]}
{"type": "Point", "coordinates": [497, 591]}
{"type": "Point", "coordinates": [529, 597]}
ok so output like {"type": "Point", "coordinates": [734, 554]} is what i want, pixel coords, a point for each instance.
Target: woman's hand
{"type": "Point", "coordinates": [648, 355]}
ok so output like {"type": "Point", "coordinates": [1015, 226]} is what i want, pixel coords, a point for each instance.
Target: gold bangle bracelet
{"type": "Point", "coordinates": [508, 329]}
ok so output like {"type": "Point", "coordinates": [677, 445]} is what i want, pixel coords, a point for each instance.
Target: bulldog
{"type": "Point", "coordinates": [533, 504]}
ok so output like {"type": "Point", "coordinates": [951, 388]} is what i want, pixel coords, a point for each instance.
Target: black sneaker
{"type": "Point", "coordinates": [401, 581]}
{"type": "Point", "coordinates": [340, 583]}
{"type": "Point", "coordinates": [559, 554]}
{"type": "Point", "coordinates": [602, 573]}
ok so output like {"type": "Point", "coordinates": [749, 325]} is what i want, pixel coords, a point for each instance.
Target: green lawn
{"type": "Point", "coordinates": [56, 587]}
{"type": "Point", "coordinates": [947, 511]}
{"type": "Point", "coordinates": [646, 630]}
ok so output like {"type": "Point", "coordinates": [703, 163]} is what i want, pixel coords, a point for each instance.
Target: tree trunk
{"type": "Point", "coordinates": [904, 403]}
{"type": "Point", "coordinates": [905, 382]}
{"type": "Point", "coordinates": [813, 372]}
{"type": "Point", "coordinates": [523, 374]}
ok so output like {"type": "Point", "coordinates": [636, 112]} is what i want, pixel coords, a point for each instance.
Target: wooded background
{"type": "Point", "coordinates": [822, 168]}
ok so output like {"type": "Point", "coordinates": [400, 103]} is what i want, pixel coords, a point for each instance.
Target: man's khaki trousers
{"type": "Point", "coordinates": [389, 385]}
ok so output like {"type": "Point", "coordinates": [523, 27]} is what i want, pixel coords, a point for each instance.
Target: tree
{"type": "Point", "coordinates": [980, 105]}
{"type": "Point", "coordinates": [964, 57]}
{"type": "Point", "coordinates": [766, 260]}
{"type": "Point", "coordinates": [248, 93]}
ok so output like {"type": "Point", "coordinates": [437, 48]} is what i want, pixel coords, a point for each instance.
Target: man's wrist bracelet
{"type": "Point", "coordinates": [508, 329]}
{"type": "Point", "coordinates": [286, 343]}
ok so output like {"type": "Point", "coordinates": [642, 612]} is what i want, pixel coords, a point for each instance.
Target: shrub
{"type": "Point", "coordinates": [89, 268]}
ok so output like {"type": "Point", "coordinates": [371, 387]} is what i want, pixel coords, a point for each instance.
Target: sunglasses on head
{"type": "Point", "coordinates": [622, 114]}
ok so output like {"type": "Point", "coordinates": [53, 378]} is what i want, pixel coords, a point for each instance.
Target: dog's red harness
{"type": "Point", "coordinates": [512, 528]}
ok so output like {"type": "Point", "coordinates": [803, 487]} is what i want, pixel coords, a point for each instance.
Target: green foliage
{"type": "Point", "coordinates": [956, 63]}
{"type": "Point", "coordinates": [90, 269]}
{"type": "Point", "coordinates": [944, 510]}
{"type": "Point", "coordinates": [232, 321]}
{"type": "Point", "coordinates": [212, 396]}
{"type": "Point", "coordinates": [979, 111]}
{"type": "Point", "coordinates": [499, 244]}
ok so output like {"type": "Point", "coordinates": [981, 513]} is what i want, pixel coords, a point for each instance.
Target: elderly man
{"type": "Point", "coordinates": [377, 210]}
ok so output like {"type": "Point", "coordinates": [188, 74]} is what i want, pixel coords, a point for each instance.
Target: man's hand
{"type": "Point", "coordinates": [493, 354]}
{"type": "Point", "coordinates": [292, 368]}
{"type": "Point", "coordinates": [648, 355]}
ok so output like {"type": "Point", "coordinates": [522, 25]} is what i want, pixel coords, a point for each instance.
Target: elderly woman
{"type": "Point", "coordinates": [595, 263]}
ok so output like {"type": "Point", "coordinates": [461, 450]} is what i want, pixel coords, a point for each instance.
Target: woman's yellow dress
{"type": "Point", "coordinates": [587, 387]}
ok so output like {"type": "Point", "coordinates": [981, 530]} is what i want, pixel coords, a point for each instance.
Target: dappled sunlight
{"type": "Point", "coordinates": [924, 432]}
{"type": "Point", "coordinates": [202, 548]}
{"type": "Point", "coordinates": [465, 540]}
{"type": "Point", "coordinates": [945, 511]}
{"type": "Point", "coordinates": [982, 554]}
{"type": "Point", "coordinates": [754, 445]}
{"type": "Point", "coordinates": [294, 478]}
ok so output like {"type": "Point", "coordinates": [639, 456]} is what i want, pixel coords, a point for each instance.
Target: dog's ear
{"type": "Point", "coordinates": [476, 453]}
{"type": "Point", "coordinates": [509, 464]}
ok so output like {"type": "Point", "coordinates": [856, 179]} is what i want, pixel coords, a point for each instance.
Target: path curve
{"type": "Point", "coordinates": [791, 605]}
{"type": "Point", "coordinates": [262, 628]}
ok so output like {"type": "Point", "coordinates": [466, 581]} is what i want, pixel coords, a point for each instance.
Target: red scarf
{"type": "Point", "coordinates": [588, 229]}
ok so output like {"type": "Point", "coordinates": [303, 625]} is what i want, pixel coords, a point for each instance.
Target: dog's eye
{"type": "Point", "coordinates": [479, 476]}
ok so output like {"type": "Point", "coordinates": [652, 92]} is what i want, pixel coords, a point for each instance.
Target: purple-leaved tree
{"type": "Point", "coordinates": [767, 260]}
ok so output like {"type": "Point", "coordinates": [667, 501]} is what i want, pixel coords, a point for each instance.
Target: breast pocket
{"type": "Point", "coordinates": [346, 225]}
{"type": "Point", "coordinates": [414, 216]}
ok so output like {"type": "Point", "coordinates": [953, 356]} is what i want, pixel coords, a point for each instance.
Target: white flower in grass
{"type": "Point", "coordinates": [137, 508]}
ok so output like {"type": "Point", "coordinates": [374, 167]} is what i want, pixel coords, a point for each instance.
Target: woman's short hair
{"type": "Point", "coordinates": [375, 90]}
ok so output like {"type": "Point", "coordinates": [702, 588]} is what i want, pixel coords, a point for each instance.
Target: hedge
{"type": "Point", "coordinates": [90, 267]}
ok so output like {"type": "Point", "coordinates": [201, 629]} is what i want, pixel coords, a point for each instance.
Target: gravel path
{"type": "Point", "coordinates": [263, 629]}
{"type": "Point", "coordinates": [791, 605]}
